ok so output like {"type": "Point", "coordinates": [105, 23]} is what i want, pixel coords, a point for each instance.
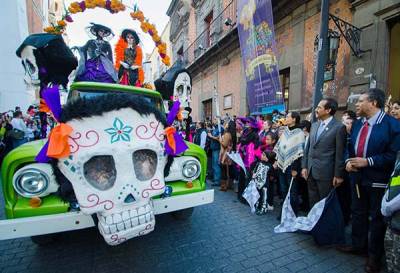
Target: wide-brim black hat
{"type": "Point", "coordinates": [127, 31]}
{"type": "Point", "coordinates": [95, 28]}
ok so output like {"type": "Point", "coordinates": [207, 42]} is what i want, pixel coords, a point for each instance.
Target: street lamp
{"type": "Point", "coordinates": [331, 53]}
{"type": "Point", "coordinates": [334, 39]}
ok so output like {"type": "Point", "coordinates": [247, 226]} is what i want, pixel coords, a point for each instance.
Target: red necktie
{"type": "Point", "coordinates": [362, 139]}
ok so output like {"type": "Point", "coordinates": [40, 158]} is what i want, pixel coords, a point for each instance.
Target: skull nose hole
{"type": "Point", "coordinates": [129, 198]}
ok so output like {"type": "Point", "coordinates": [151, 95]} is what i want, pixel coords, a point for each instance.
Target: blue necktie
{"type": "Point", "coordinates": [320, 130]}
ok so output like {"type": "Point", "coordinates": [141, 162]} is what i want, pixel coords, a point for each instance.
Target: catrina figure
{"type": "Point", "coordinates": [96, 58]}
{"type": "Point", "coordinates": [129, 59]}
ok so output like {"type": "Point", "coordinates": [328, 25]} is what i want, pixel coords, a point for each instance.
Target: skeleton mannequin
{"type": "Point", "coordinates": [46, 60]}
{"type": "Point", "coordinates": [183, 88]}
{"type": "Point", "coordinates": [96, 61]}
{"type": "Point", "coordinates": [130, 70]}
{"type": "Point", "coordinates": [116, 163]}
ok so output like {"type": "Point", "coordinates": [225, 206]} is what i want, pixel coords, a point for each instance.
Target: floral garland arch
{"type": "Point", "coordinates": [113, 6]}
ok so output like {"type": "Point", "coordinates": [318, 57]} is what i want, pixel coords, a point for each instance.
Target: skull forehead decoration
{"type": "Point", "coordinates": [116, 166]}
{"type": "Point", "coordinates": [183, 88]}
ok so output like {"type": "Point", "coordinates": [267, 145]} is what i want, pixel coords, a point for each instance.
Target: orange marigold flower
{"type": "Point", "coordinates": [156, 38]}
{"type": "Point", "coordinates": [49, 29]}
{"type": "Point", "coordinates": [72, 10]}
{"type": "Point", "coordinates": [75, 5]}
{"type": "Point", "coordinates": [61, 23]}
{"type": "Point", "coordinates": [137, 15]}
{"type": "Point", "coordinates": [145, 26]}
{"type": "Point", "coordinates": [101, 3]}
{"type": "Point", "coordinates": [90, 4]}
{"type": "Point", "coordinates": [167, 62]}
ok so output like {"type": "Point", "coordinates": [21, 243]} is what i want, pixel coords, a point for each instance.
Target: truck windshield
{"type": "Point", "coordinates": [157, 102]}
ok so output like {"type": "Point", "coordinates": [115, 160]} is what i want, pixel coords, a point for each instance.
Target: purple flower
{"type": "Point", "coordinates": [68, 19]}
{"type": "Point", "coordinates": [151, 33]}
{"type": "Point", "coordinates": [108, 5]}
{"type": "Point", "coordinates": [82, 5]}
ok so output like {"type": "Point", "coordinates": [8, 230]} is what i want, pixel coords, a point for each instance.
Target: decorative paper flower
{"type": "Point", "coordinates": [156, 38]}
{"type": "Point", "coordinates": [68, 18]}
{"type": "Point", "coordinates": [113, 6]}
{"type": "Point", "coordinates": [61, 23]}
{"type": "Point", "coordinates": [137, 15]}
{"type": "Point", "coordinates": [119, 131]}
{"type": "Point", "coordinates": [101, 3]}
{"type": "Point", "coordinates": [91, 4]}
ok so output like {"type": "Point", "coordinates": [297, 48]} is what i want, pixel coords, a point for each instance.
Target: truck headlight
{"type": "Point", "coordinates": [191, 169]}
{"type": "Point", "coordinates": [31, 183]}
{"type": "Point", "coordinates": [34, 180]}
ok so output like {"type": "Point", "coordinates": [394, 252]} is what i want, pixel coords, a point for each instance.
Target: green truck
{"type": "Point", "coordinates": [25, 181]}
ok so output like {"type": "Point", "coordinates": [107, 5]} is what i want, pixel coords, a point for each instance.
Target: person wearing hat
{"type": "Point", "coordinates": [129, 57]}
{"type": "Point", "coordinates": [96, 58]}
{"type": "Point", "coordinates": [249, 149]}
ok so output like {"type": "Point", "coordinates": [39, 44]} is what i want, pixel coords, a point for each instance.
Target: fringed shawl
{"type": "Point", "coordinates": [289, 147]}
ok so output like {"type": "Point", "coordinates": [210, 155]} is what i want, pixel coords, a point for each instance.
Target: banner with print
{"type": "Point", "coordinates": [257, 44]}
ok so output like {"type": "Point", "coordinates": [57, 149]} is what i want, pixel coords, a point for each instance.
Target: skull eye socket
{"type": "Point", "coordinates": [30, 67]}
{"type": "Point", "coordinates": [180, 90]}
{"type": "Point", "coordinates": [100, 172]}
{"type": "Point", "coordinates": [145, 164]}
{"type": "Point", "coordinates": [189, 91]}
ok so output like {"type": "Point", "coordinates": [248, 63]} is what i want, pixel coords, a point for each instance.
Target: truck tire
{"type": "Point", "coordinates": [183, 214]}
{"type": "Point", "coordinates": [43, 240]}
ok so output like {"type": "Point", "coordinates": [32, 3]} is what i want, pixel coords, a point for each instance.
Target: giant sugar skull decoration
{"type": "Point", "coordinates": [117, 162]}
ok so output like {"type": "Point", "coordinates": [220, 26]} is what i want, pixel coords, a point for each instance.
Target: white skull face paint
{"type": "Point", "coordinates": [116, 166]}
{"type": "Point", "coordinates": [28, 60]}
{"type": "Point", "coordinates": [183, 89]}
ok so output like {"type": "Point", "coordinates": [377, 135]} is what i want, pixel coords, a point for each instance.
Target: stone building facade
{"type": "Point", "coordinates": [204, 35]}
{"type": "Point", "coordinates": [380, 39]}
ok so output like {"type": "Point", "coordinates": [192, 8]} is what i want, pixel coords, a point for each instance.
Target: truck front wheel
{"type": "Point", "coordinates": [183, 214]}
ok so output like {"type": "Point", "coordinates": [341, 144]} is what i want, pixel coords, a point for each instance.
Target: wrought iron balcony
{"type": "Point", "coordinates": [218, 28]}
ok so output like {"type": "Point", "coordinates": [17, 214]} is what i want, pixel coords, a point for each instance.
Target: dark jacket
{"type": "Point", "coordinates": [383, 144]}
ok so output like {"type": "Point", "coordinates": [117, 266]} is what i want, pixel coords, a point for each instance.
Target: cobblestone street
{"type": "Point", "coordinates": [220, 237]}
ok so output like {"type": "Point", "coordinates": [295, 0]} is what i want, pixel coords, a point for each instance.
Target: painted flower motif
{"type": "Point", "coordinates": [119, 131]}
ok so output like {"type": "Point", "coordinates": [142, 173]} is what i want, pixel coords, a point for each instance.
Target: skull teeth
{"type": "Point", "coordinates": [126, 219]}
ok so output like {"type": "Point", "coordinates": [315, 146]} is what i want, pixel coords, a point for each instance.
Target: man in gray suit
{"type": "Point", "coordinates": [323, 160]}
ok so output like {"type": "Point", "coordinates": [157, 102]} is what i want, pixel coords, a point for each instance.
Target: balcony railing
{"type": "Point", "coordinates": [221, 25]}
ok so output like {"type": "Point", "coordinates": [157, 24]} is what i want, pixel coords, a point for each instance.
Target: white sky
{"type": "Point", "coordinates": [154, 10]}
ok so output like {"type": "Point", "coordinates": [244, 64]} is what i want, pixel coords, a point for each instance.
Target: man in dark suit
{"type": "Point", "coordinates": [374, 142]}
{"type": "Point", "coordinates": [323, 161]}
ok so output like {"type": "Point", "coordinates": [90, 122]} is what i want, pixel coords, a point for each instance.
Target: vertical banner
{"type": "Point", "coordinates": [257, 44]}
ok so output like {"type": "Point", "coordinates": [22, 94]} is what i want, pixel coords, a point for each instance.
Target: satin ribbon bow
{"type": "Point", "coordinates": [58, 141]}
{"type": "Point", "coordinates": [170, 134]}
{"type": "Point", "coordinates": [57, 145]}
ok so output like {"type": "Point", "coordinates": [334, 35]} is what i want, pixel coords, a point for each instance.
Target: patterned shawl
{"type": "Point", "coordinates": [289, 147]}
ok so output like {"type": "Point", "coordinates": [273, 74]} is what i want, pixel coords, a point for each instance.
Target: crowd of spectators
{"type": "Point", "coordinates": [310, 159]}
{"type": "Point", "coordinates": [18, 128]}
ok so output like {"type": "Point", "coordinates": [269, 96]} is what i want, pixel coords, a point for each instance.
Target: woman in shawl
{"type": "Point", "coordinates": [129, 59]}
{"type": "Point", "coordinates": [96, 58]}
{"type": "Point", "coordinates": [289, 151]}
